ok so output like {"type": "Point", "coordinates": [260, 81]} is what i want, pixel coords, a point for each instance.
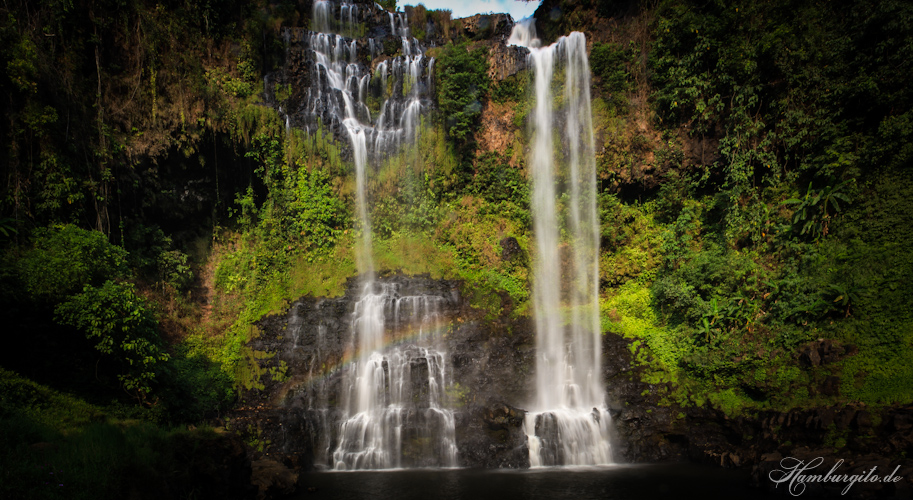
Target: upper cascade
{"type": "Point", "coordinates": [367, 75]}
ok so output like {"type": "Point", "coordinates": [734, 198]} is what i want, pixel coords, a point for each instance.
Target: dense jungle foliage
{"type": "Point", "coordinates": [754, 198]}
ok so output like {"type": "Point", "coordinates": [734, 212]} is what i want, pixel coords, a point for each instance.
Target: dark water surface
{"type": "Point", "coordinates": [622, 482]}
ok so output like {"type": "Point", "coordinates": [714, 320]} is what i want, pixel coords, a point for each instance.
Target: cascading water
{"type": "Point", "coordinates": [397, 395]}
{"type": "Point", "coordinates": [568, 423]}
{"type": "Point", "coordinates": [394, 411]}
{"type": "Point", "coordinates": [349, 74]}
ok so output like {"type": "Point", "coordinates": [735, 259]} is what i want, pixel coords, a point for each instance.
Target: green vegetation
{"type": "Point", "coordinates": [609, 63]}
{"type": "Point", "coordinates": [742, 257]}
{"type": "Point", "coordinates": [754, 198]}
{"type": "Point", "coordinates": [463, 84]}
{"type": "Point", "coordinates": [115, 318]}
{"type": "Point", "coordinates": [53, 445]}
{"type": "Point", "coordinates": [125, 132]}
{"type": "Point", "coordinates": [65, 258]}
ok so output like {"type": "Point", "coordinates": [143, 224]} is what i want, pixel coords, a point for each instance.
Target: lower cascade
{"type": "Point", "coordinates": [568, 423]}
{"type": "Point", "coordinates": [396, 395]}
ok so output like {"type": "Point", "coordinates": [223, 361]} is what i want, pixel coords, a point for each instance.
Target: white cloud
{"type": "Point", "coordinates": [518, 9]}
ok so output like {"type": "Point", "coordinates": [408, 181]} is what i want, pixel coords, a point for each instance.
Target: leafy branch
{"type": "Point", "coordinates": [815, 210]}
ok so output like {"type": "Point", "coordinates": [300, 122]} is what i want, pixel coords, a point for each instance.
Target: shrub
{"type": "Point", "coordinates": [65, 258]}
{"type": "Point", "coordinates": [609, 62]}
{"type": "Point", "coordinates": [124, 329]}
{"type": "Point", "coordinates": [463, 84]}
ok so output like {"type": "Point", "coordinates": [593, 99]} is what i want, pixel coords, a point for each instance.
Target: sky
{"type": "Point", "coordinates": [517, 9]}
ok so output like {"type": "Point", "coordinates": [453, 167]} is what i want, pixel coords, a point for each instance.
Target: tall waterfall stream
{"type": "Point", "coordinates": [568, 423]}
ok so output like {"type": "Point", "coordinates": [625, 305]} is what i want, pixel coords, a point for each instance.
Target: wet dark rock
{"type": "Point", "coordinates": [823, 351]}
{"type": "Point", "coordinates": [503, 416]}
{"type": "Point", "coordinates": [491, 436]}
{"type": "Point", "coordinates": [510, 248]}
{"type": "Point", "coordinates": [831, 386]}
{"type": "Point", "coordinates": [273, 479]}
{"type": "Point", "coordinates": [810, 357]}
{"type": "Point", "coordinates": [902, 422]}
{"type": "Point", "coordinates": [295, 417]}
{"type": "Point", "coordinates": [862, 420]}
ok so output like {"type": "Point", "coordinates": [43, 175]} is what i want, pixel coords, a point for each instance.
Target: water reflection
{"type": "Point", "coordinates": [621, 482]}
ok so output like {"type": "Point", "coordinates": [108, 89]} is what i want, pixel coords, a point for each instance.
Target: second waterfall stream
{"type": "Point", "coordinates": [568, 422]}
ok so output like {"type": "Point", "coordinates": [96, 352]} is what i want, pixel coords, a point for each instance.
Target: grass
{"type": "Point", "coordinates": [54, 410]}
{"type": "Point", "coordinates": [56, 446]}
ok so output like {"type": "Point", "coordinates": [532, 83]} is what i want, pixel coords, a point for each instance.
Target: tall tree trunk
{"type": "Point", "coordinates": [101, 195]}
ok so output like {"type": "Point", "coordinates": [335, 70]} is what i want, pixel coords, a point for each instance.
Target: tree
{"type": "Point", "coordinates": [65, 258]}
{"type": "Point", "coordinates": [463, 83]}
{"type": "Point", "coordinates": [124, 329]}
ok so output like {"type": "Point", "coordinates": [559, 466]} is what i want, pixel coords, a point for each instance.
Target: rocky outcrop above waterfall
{"type": "Point", "coordinates": [504, 61]}
{"type": "Point", "coordinates": [492, 31]}
{"type": "Point", "coordinates": [493, 27]}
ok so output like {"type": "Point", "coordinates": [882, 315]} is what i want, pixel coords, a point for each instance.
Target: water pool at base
{"type": "Point", "coordinates": [621, 482]}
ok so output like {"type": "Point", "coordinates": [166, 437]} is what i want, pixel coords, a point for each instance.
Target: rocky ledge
{"type": "Point", "coordinates": [849, 439]}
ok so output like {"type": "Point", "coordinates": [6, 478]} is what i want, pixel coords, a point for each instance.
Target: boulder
{"type": "Point", "coordinates": [272, 479]}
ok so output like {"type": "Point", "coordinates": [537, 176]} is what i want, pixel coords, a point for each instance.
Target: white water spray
{"type": "Point", "coordinates": [395, 399]}
{"type": "Point", "coordinates": [568, 423]}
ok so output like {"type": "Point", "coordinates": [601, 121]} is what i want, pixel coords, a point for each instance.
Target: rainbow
{"type": "Point", "coordinates": [392, 338]}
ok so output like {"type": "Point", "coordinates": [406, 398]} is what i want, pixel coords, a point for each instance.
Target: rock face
{"type": "Point", "coordinates": [649, 432]}
{"type": "Point", "coordinates": [510, 248]}
{"type": "Point", "coordinates": [273, 479]}
{"type": "Point", "coordinates": [294, 415]}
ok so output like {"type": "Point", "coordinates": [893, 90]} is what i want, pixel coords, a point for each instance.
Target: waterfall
{"type": "Point", "coordinates": [394, 410]}
{"type": "Point", "coordinates": [568, 423]}
{"type": "Point", "coordinates": [348, 71]}
{"type": "Point", "coordinates": [395, 398]}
